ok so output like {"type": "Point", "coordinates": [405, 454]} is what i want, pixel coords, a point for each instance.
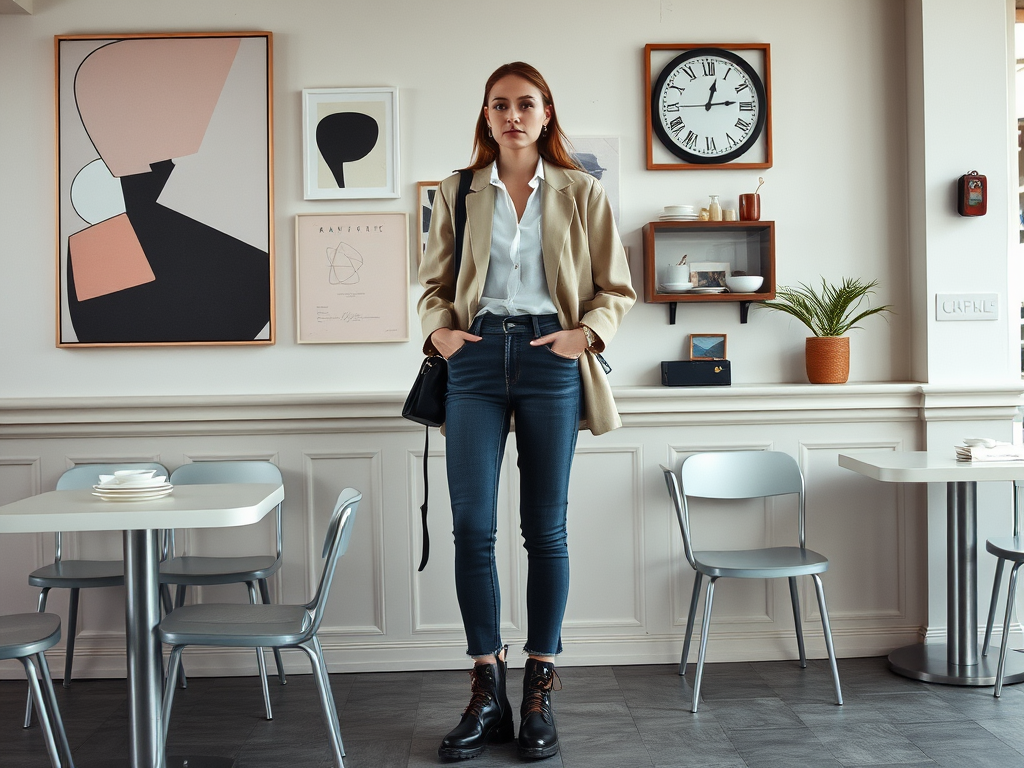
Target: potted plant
{"type": "Point", "coordinates": [829, 314]}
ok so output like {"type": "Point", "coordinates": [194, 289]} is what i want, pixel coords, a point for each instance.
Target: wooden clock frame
{"type": "Point", "coordinates": [765, 72]}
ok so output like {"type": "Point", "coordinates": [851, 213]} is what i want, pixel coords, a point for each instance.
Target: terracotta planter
{"type": "Point", "coordinates": [828, 359]}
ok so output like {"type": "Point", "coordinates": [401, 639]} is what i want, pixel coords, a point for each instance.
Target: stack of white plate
{"type": "Point", "coordinates": [709, 289]}
{"type": "Point", "coordinates": [132, 485]}
{"type": "Point", "coordinates": [679, 213]}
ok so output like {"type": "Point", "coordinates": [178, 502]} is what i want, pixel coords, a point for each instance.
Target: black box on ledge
{"type": "Point", "coordinates": [696, 373]}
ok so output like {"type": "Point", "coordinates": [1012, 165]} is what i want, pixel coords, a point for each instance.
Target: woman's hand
{"type": "Point", "coordinates": [448, 342]}
{"type": "Point", "coordinates": [569, 344]}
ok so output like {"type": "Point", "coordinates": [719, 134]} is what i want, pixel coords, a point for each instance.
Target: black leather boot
{"type": "Point", "coordinates": [488, 718]}
{"type": "Point", "coordinates": [537, 735]}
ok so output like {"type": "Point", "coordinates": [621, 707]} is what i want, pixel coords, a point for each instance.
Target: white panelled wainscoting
{"type": "Point", "coordinates": [630, 581]}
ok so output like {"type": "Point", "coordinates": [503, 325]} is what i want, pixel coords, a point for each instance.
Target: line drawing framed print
{"type": "Point", "coordinates": [165, 221]}
{"type": "Point", "coordinates": [352, 277]}
{"type": "Point", "coordinates": [350, 143]}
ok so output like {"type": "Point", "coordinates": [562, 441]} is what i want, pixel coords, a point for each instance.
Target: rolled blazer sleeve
{"type": "Point", "coordinates": [613, 288]}
{"type": "Point", "coordinates": [437, 267]}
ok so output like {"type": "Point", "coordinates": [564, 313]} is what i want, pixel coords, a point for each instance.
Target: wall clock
{"type": "Point", "coordinates": [708, 106]}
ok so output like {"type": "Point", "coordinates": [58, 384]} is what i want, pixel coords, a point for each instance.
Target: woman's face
{"type": "Point", "coordinates": [515, 112]}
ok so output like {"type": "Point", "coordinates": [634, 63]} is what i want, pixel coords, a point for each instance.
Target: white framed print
{"type": "Point", "coordinates": [350, 143]}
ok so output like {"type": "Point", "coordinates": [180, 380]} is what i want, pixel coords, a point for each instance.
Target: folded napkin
{"type": "Point", "coordinates": [997, 452]}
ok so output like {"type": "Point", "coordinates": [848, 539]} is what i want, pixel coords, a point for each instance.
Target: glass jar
{"type": "Point", "coordinates": [714, 209]}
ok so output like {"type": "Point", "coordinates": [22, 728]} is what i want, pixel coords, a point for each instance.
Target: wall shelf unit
{"type": "Point", "coordinates": [745, 246]}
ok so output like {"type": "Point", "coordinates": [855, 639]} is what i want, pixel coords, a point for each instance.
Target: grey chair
{"type": "Point", "coordinates": [252, 570]}
{"type": "Point", "coordinates": [77, 575]}
{"type": "Point", "coordinates": [745, 475]}
{"type": "Point", "coordinates": [1006, 549]}
{"type": "Point", "coordinates": [278, 626]}
{"type": "Point", "coordinates": [26, 636]}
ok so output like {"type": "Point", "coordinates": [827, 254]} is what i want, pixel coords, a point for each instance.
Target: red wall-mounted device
{"type": "Point", "coordinates": [971, 195]}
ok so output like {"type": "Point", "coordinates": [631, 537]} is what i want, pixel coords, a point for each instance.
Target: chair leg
{"type": "Point", "coordinates": [165, 598]}
{"type": "Point", "coordinates": [996, 583]}
{"type": "Point", "coordinates": [703, 643]}
{"type": "Point", "coordinates": [54, 710]}
{"type": "Point", "coordinates": [173, 667]}
{"type": "Point", "coordinates": [260, 659]}
{"type": "Point", "coordinates": [265, 594]}
{"type": "Point", "coordinates": [44, 719]}
{"type": "Point", "coordinates": [1011, 595]}
{"type": "Point", "coordinates": [40, 608]}
{"type": "Point", "coordinates": [323, 685]}
{"type": "Point", "coordinates": [827, 629]}
{"type": "Point", "coordinates": [690, 617]}
{"type": "Point", "coordinates": [795, 597]}
{"type": "Point", "coordinates": [327, 677]}
{"type": "Point", "coordinates": [69, 653]}
{"type": "Point", "coordinates": [179, 600]}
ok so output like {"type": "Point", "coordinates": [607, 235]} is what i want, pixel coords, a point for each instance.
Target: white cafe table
{"type": "Point", "coordinates": [959, 662]}
{"type": "Point", "coordinates": [188, 506]}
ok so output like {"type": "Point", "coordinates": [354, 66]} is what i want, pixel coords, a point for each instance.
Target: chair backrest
{"type": "Point", "coordinates": [88, 475]}
{"type": "Point", "coordinates": [339, 531]}
{"type": "Point", "coordinates": [213, 472]}
{"type": "Point", "coordinates": [733, 475]}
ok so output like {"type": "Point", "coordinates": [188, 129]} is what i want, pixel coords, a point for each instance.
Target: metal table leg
{"type": "Point", "coordinates": [145, 669]}
{"type": "Point", "coordinates": [959, 663]}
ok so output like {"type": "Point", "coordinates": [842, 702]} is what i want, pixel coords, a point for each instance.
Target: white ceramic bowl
{"type": "Point", "coordinates": [743, 283]}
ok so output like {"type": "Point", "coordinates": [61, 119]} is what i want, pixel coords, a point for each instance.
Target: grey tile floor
{"type": "Point", "coordinates": [758, 715]}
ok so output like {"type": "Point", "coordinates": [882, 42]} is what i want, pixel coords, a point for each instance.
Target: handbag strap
{"type": "Point", "coordinates": [465, 179]}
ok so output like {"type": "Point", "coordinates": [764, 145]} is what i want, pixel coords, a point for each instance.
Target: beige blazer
{"type": "Point", "coordinates": [584, 262]}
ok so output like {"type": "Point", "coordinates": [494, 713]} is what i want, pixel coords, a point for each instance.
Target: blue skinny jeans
{"type": "Point", "coordinates": [488, 382]}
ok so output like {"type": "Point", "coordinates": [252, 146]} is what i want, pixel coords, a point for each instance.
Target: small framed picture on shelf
{"type": "Point", "coordinates": [425, 197]}
{"type": "Point", "coordinates": [709, 275]}
{"type": "Point", "coordinates": [707, 346]}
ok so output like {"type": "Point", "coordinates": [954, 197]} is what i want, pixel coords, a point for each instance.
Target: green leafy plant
{"type": "Point", "coordinates": [830, 311]}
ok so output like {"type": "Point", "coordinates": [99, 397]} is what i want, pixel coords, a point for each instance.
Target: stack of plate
{"type": "Point", "coordinates": [709, 289]}
{"type": "Point", "coordinates": [679, 213]}
{"type": "Point", "coordinates": [132, 485]}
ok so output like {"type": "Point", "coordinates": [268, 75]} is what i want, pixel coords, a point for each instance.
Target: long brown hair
{"type": "Point", "coordinates": [553, 145]}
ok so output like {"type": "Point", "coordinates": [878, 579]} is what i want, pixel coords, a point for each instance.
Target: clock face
{"type": "Point", "coordinates": [708, 106]}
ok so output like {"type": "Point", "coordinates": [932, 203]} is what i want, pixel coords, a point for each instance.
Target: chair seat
{"type": "Point", "coordinates": [26, 634]}
{"type": "Point", "coordinates": [193, 570]}
{"type": "Point", "coordinates": [236, 625]}
{"type": "Point", "coordinates": [82, 574]}
{"type": "Point", "coordinates": [768, 563]}
{"type": "Point", "coordinates": [1007, 547]}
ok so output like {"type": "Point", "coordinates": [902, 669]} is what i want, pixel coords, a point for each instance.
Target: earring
{"type": "Point", "coordinates": [489, 134]}
{"type": "Point", "coordinates": [544, 130]}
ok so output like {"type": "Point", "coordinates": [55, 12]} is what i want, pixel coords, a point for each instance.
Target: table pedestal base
{"type": "Point", "coordinates": [929, 663]}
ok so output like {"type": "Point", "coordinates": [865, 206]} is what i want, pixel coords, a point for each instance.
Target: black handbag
{"type": "Point", "coordinates": [425, 403]}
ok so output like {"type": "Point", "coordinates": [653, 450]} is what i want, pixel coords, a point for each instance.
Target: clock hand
{"type": "Point", "coordinates": [709, 105]}
{"type": "Point", "coordinates": [711, 94]}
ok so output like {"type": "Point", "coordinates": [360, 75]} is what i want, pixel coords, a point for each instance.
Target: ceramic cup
{"type": "Point", "coordinates": [750, 207]}
{"type": "Point", "coordinates": [728, 214]}
{"type": "Point", "coordinates": [676, 274]}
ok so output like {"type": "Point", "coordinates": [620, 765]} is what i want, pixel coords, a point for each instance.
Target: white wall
{"type": "Point", "coordinates": [837, 190]}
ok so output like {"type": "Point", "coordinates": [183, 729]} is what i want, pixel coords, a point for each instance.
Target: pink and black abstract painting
{"type": "Point", "coordinates": [165, 227]}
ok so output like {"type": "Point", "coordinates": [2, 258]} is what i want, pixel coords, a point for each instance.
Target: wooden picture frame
{"type": "Point", "coordinates": [350, 143]}
{"type": "Point", "coordinates": [659, 158]}
{"type": "Point", "coordinates": [708, 346]}
{"type": "Point", "coordinates": [351, 277]}
{"type": "Point", "coordinates": [164, 175]}
{"type": "Point", "coordinates": [425, 191]}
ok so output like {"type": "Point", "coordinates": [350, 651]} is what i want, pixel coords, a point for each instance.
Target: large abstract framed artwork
{"type": "Point", "coordinates": [352, 277]}
{"type": "Point", "coordinates": [164, 179]}
{"type": "Point", "coordinates": [350, 143]}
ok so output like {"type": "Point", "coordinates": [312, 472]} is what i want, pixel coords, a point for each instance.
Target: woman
{"type": "Point", "coordinates": [542, 287]}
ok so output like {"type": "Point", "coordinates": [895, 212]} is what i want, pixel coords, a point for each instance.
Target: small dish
{"type": "Point", "coordinates": [982, 442]}
{"type": "Point", "coordinates": [710, 289]}
{"type": "Point", "coordinates": [677, 286]}
{"type": "Point", "coordinates": [743, 283]}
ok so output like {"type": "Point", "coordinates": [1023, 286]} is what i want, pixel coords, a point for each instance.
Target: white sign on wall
{"type": "Point", "coordinates": [966, 306]}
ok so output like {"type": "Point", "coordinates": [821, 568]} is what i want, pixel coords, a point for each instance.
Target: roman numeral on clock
{"type": "Point", "coordinates": [746, 106]}
{"type": "Point", "coordinates": [742, 87]}
{"type": "Point", "coordinates": [676, 126]}
{"type": "Point", "coordinates": [742, 124]}
{"type": "Point", "coordinates": [708, 67]}
{"type": "Point", "coordinates": [690, 73]}
{"type": "Point", "coordinates": [731, 140]}
{"type": "Point", "coordinates": [691, 140]}
{"type": "Point", "coordinates": [709, 144]}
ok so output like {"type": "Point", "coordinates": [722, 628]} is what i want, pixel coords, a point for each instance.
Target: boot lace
{"type": "Point", "coordinates": [540, 686]}
{"type": "Point", "coordinates": [480, 697]}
